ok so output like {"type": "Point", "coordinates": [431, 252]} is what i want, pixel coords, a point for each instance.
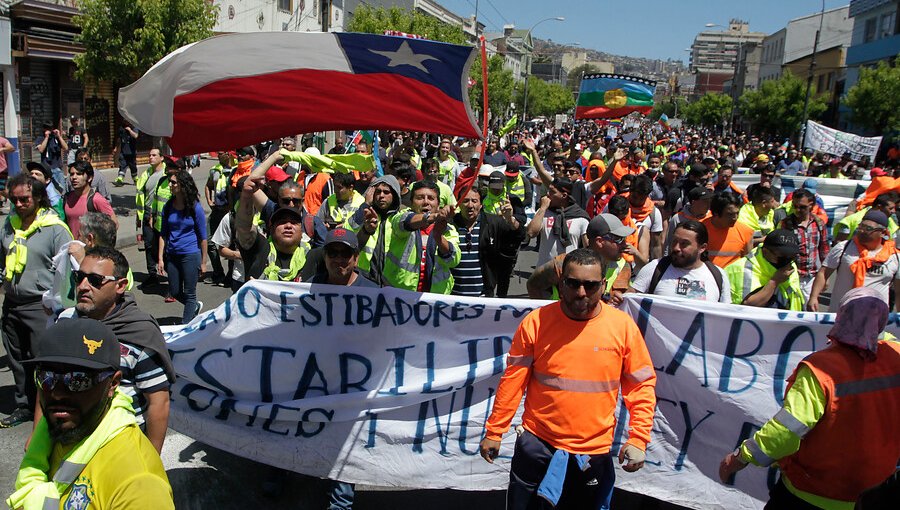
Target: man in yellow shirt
{"type": "Point", "coordinates": [87, 451]}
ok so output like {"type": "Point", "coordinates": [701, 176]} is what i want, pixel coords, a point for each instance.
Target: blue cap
{"type": "Point", "coordinates": [811, 184]}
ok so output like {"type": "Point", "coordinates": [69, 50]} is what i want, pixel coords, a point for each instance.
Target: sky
{"type": "Point", "coordinates": [647, 28]}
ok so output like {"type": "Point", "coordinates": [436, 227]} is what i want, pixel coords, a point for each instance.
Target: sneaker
{"type": "Point", "coordinates": [208, 279]}
{"type": "Point", "coordinates": [199, 307]}
{"type": "Point", "coordinates": [19, 416]}
{"type": "Point", "coordinates": [120, 181]}
{"type": "Point", "coordinates": [151, 281]}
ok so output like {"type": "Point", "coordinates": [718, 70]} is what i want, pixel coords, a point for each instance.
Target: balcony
{"type": "Point", "coordinates": [881, 49]}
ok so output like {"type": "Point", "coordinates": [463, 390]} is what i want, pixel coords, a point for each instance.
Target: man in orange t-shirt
{"type": "Point", "coordinates": [573, 357]}
{"type": "Point", "coordinates": [729, 239]}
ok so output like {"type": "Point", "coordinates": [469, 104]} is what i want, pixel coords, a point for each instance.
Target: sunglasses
{"type": "Point", "coordinates": [869, 229]}
{"type": "Point", "coordinates": [95, 280]}
{"type": "Point", "coordinates": [590, 286]}
{"type": "Point", "coordinates": [613, 239]}
{"type": "Point", "coordinates": [291, 201]}
{"type": "Point", "coordinates": [75, 382]}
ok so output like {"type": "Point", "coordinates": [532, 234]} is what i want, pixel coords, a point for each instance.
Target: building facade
{"type": "Point", "coordinates": [714, 55]}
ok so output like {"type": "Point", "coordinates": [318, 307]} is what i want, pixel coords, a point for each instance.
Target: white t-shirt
{"type": "Point", "coordinates": [696, 283]}
{"type": "Point", "coordinates": [879, 277]}
{"type": "Point", "coordinates": [551, 245]}
{"type": "Point", "coordinates": [222, 237]}
{"type": "Point", "coordinates": [653, 220]}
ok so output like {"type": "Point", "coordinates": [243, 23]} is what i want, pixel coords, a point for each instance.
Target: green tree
{"type": "Point", "coordinates": [668, 107]}
{"type": "Point", "coordinates": [776, 108]}
{"type": "Point", "coordinates": [500, 87]}
{"type": "Point", "coordinates": [545, 99]}
{"type": "Point", "coordinates": [375, 20]}
{"type": "Point", "coordinates": [124, 38]}
{"type": "Point", "coordinates": [574, 81]}
{"type": "Point", "coordinates": [711, 110]}
{"type": "Point", "coordinates": [875, 99]}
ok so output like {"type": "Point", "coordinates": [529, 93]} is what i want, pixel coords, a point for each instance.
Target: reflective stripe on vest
{"type": "Point", "coordinates": [576, 385]}
{"type": "Point", "coordinates": [516, 188]}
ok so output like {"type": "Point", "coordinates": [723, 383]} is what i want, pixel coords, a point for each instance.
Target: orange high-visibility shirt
{"type": "Point", "coordinates": [727, 244]}
{"type": "Point", "coordinates": [573, 371]}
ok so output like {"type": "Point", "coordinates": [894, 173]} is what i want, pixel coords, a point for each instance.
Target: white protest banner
{"type": "Point", "coordinates": [560, 120]}
{"type": "Point", "coordinates": [832, 141]}
{"type": "Point", "coordinates": [392, 388]}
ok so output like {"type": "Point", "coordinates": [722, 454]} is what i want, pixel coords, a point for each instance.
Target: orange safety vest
{"type": "Point", "coordinates": [315, 185]}
{"type": "Point", "coordinates": [855, 445]}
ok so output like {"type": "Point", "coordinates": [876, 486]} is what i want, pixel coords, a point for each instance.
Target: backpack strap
{"type": "Point", "coordinates": [660, 269]}
{"type": "Point", "coordinates": [90, 201]}
{"type": "Point", "coordinates": [717, 275]}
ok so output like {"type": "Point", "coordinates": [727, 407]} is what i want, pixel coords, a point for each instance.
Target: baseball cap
{"type": "Point", "coordinates": [37, 165]}
{"type": "Point", "coordinates": [763, 157]}
{"type": "Point", "coordinates": [276, 174]}
{"type": "Point", "coordinates": [784, 242]}
{"type": "Point", "coordinates": [878, 172]}
{"type": "Point", "coordinates": [496, 177]}
{"type": "Point", "coordinates": [562, 184]}
{"type": "Point", "coordinates": [811, 184]}
{"type": "Point", "coordinates": [344, 236]}
{"type": "Point", "coordinates": [876, 216]}
{"type": "Point", "coordinates": [86, 343]}
{"type": "Point", "coordinates": [245, 151]}
{"type": "Point", "coordinates": [485, 170]}
{"type": "Point", "coordinates": [606, 223]}
{"type": "Point", "coordinates": [286, 211]}
{"type": "Point", "coordinates": [313, 151]}
{"type": "Point", "coordinates": [512, 170]}
{"type": "Point", "coordinates": [700, 193]}
{"type": "Point", "coordinates": [835, 161]}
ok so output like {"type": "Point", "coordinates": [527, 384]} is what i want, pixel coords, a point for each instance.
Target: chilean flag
{"type": "Point", "coordinates": [239, 89]}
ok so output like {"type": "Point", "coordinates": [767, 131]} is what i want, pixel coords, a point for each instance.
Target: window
{"type": "Point", "coordinates": [285, 5]}
{"type": "Point", "coordinates": [820, 84]}
{"type": "Point", "coordinates": [869, 30]}
{"type": "Point", "coordinates": [888, 22]}
{"type": "Point", "coordinates": [829, 83]}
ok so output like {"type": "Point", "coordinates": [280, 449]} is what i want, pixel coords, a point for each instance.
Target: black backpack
{"type": "Point", "coordinates": [664, 264]}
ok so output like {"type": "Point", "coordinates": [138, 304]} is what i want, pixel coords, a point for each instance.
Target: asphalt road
{"type": "Point", "coordinates": [204, 477]}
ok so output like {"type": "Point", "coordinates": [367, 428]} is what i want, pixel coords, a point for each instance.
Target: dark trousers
{"type": "Point", "coordinates": [583, 490]}
{"type": "Point", "coordinates": [780, 498]}
{"type": "Point", "coordinates": [151, 248]}
{"type": "Point", "coordinates": [128, 161]}
{"type": "Point", "coordinates": [21, 324]}
{"type": "Point", "coordinates": [504, 275]}
{"type": "Point", "coordinates": [215, 217]}
{"type": "Point", "coordinates": [184, 271]}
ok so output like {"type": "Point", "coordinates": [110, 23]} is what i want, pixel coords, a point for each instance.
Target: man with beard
{"type": "Point", "coordinates": [564, 454]}
{"type": "Point", "coordinates": [87, 451]}
{"type": "Point", "coordinates": [489, 246]}
{"type": "Point", "coordinates": [685, 272]}
{"type": "Point", "coordinates": [147, 370]}
{"type": "Point", "coordinates": [372, 223]}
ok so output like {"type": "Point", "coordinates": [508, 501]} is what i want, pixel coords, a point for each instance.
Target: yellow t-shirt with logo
{"type": "Point", "coordinates": [125, 473]}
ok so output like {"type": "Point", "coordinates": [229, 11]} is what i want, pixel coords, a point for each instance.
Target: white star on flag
{"type": "Point", "coordinates": [404, 56]}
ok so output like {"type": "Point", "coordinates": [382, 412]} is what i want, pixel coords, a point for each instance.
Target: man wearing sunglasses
{"type": "Point", "coordinates": [147, 370]}
{"type": "Point", "coordinates": [869, 259]}
{"type": "Point", "coordinates": [573, 357]}
{"type": "Point", "coordinates": [87, 450]}
{"type": "Point", "coordinates": [767, 277]}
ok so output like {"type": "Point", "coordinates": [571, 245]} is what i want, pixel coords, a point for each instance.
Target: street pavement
{"type": "Point", "coordinates": [204, 477]}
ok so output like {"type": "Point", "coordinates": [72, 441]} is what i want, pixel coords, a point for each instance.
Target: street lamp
{"type": "Point", "coordinates": [737, 63]}
{"type": "Point", "coordinates": [530, 52]}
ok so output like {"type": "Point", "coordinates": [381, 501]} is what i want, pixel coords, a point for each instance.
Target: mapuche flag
{"type": "Point", "coordinates": [238, 89]}
{"type": "Point", "coordinates": [605, 96]}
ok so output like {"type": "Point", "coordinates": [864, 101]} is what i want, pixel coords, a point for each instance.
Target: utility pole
{"type": "Point", "coordinates": [809, 79]}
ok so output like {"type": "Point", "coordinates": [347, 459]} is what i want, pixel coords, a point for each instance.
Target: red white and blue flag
{"type": "Point", "coordinates": [239, 89]}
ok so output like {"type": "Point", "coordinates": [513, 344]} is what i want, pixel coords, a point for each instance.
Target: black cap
{"type": "Point", "coordinates": [562, 184]}
{"type": "Point", "coordinates": [784, 242]}
{"type": "Point", "coordinates": [700, 193]}
{"type": "Point", "coordinates": [286, 211]}
{"type": "Point", "coordinates": [342, 235]}
{"type": "Point", "coordinates": [79, 342]}
{"type": "Point", "coordinates": [876, 216]}
{"type": "Point", "coordinates": [40, 166]}
{"type": "Point", "coordinates": [496, 177]}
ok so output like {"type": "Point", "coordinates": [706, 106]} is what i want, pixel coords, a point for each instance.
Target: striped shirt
{"type": "Point", "coordinates": [142, 372]}
{"type": "Point", "coordinates": [467, 279]}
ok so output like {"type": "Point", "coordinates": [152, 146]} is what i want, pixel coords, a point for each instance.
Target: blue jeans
{"type": "Point", "coordinates": [59, 178]}
{"type": "Point", "coordinates": [183, 273]}
{"type": "Point", "coordinates": [340, 496]}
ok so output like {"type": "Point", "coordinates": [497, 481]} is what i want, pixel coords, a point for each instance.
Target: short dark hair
{"type": "Point", "coordinates": [102, 226]}
{"type": "Point", "coordinates": [38, 189]}
{"type": "Point", "coordinates": [721, 200]}
{"type": "Point", "coordinates": [761, 193]}
{"type": "Point", "coordinates": [803, 193]}
{"type": "Point", "coordinates": [82, 167]}
{"type": "Point", "coordinates": [618, 206]}
{"type": "Point", "coordinates": [695, 227]}
{"type": "Point", "coordinates": [342, 179]}
{"type": "Point", "coordinates": [582, 257]}
{"type": "Point", "coordinates": [120, 263]}
{"type": "Point", "coordinates": [426, 185]}
{"type": "Point", "coordinates": [642, 185]}
{"type": "Point", "coordinates": [403, 170]}
{"type": "Point", "coordinates": [883, 199]}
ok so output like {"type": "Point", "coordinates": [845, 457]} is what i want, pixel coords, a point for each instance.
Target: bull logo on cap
{"type": "Point", "coordinates": [92, 345]}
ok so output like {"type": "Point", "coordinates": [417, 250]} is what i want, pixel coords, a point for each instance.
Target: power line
{"type": "Point", "coordinates": [498, 12]}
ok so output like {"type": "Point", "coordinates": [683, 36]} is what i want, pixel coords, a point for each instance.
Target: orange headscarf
{"type": "Point", "coordinates": [640, 213]}
{"type": "Point", "coordinates": [632, 238]}
{"type": "Point", "coordinates": [243, 168]}
{"type": "Point", "coordinates": [864, 263]}
{"type": "Point", "coordinates": [879, 186]}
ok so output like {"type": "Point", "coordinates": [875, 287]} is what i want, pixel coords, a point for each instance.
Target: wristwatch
{"type": "Point", "coordinates": [426, 216]}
